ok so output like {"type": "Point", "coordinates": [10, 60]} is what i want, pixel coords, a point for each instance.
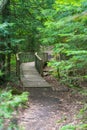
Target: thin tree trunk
{"type": "Point", "coordinates": [6, 18]}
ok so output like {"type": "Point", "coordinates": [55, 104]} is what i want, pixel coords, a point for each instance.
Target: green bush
{"type": "Point", "coordinates": [8, 104]}
{"type": "Point", "coordinates": [66, 30]}
{"type": "Point", "coordinates": [73, 127]}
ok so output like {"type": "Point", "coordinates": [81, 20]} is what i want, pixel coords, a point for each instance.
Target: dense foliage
{"type": "Point", "coordinates": [9, 104]}
{"type": "Point", "coordinates": [65, 28]}
{"type": "Point", "coordinates": [27, 17]}
{"type": "Point", "coordinates": [60, 24]}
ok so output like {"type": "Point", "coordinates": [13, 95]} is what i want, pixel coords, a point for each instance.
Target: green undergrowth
{"type": "Point", "coordinates": [82, 114]}
{"type": "Point", "coordinates": [9, 104]}
{"type": "Point", "coordinates": [77, 127]}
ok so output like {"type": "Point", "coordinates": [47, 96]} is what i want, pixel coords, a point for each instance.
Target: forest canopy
{"type": "Point", "coordinates": [61, 24]}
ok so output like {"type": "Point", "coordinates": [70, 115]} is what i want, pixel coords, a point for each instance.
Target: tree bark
{"type": "Point", "coordinates": [6, 18]}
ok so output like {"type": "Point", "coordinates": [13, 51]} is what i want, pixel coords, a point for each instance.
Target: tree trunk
{"type": "Point", "coordinates": [6, 18]}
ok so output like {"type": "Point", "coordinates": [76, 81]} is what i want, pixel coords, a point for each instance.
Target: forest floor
{"type": "Point", "coordinates": [50, 110]}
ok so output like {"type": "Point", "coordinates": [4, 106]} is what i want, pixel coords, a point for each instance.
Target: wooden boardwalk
{"type": "Point", "coordinates": [30, 77]}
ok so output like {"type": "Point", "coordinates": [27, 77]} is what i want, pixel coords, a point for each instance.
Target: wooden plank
{"type": "Point", "coordinates": [17, 65]}
{"type": "Point", "coordinates": [31, 78]}
{"type": "Point", "coordinates": [35, 84]}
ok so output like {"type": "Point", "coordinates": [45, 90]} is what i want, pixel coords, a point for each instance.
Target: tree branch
{"type": "Point", "coordinates": [2, 4]}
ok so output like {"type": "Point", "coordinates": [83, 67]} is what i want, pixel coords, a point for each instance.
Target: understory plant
{"type": "Point", "coordinates": [9, 105]}
{"type": "Point", "coordinates": [82, 116]}
{"type": "Point", "coordinates": [74, 127]}
{"type": "Point", "coordinates": [8, 48]}
{"type": "Point", "coordinates": [66, 30]}
{"type": "Point", "coordinates": [82, 125]}
{"type": "Point", "coordinates": [69, 66]}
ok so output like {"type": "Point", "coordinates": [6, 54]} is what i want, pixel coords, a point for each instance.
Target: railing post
{"type": "Point", "coordinates": [41, 68]}
{"type": "Point", "coordinates": [45, 56]}
{"type": "Point", "coordinates": [39, 64]}
{"type": "Point", "coordinates": [17, 65]}
{"type": "Point", "coordinates": [35, 60]}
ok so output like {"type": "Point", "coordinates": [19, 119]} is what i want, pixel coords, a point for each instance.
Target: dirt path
{"type": "Point", "coordinates": [49, 110]}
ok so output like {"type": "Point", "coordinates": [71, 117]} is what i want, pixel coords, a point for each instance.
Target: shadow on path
{"type": "Point", "coordinates": [44, 106]}
{"type": "Point", "coordinates": [49, 110]}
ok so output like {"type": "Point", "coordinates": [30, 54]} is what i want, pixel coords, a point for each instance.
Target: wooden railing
{"type": "Point", "coordinates": [17, 65]}
{"type": "Point", "coordinates": [26, 57]}
{"type": "Point", "coordinates": [40, 60]}
{"type": "Point", "coordinates": [23, 57]}
{"type": "Point", "coordinates": [44, 57]}
{"type": "Point", "coordinates": [39, 64]}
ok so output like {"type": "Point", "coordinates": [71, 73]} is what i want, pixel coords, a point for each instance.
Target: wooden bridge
{"type": "Point", "coordinates": [29, 69]}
